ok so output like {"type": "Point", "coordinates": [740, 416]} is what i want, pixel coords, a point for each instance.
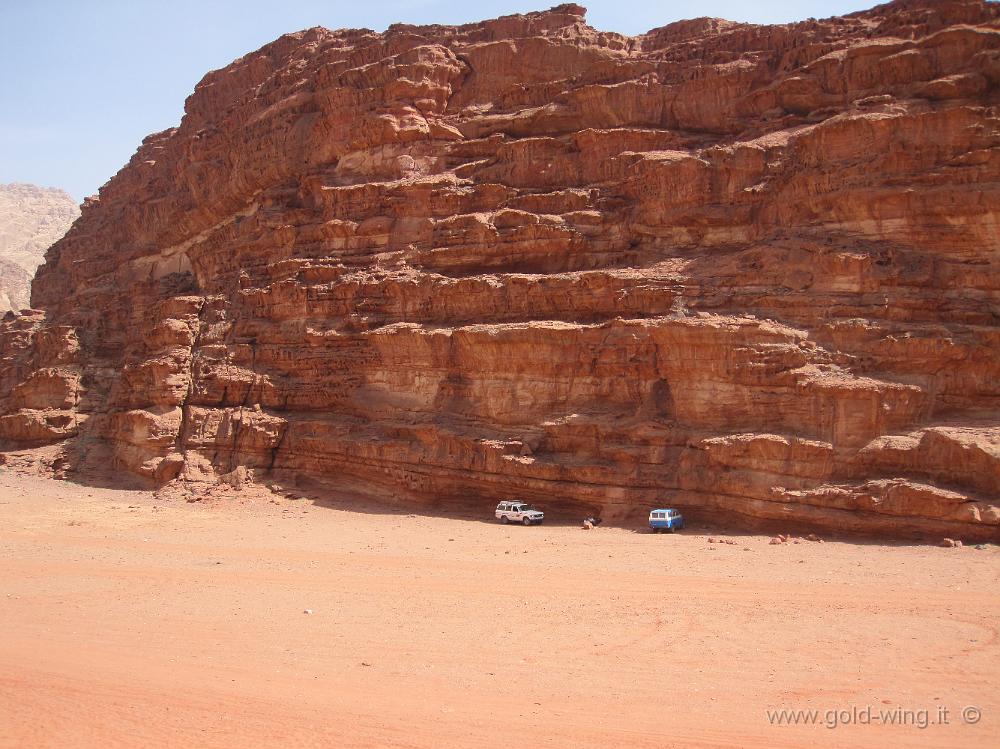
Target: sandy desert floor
{"type": "Point", "coordinates": [131, 620]}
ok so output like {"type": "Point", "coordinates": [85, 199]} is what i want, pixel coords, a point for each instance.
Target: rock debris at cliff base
{"type": "Point", "coordinates": [748, 271]}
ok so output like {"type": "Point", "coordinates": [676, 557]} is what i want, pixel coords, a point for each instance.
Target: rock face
{"type": "Point", "coordinates": [31, 219]}
{"type": "Point", "coordinates": [752, 272]}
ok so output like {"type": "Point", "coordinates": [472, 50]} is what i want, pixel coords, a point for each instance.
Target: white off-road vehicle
{"type": "Point", "coordinates": [519, 512]}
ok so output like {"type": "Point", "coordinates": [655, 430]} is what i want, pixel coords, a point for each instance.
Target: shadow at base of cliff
{"type": "Point", "coordinates": [566, 515]}
{"type": "Point", "coordinates": [55, 461]}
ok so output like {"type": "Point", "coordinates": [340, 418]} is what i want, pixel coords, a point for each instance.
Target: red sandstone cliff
{"type": "Point", "coordinates": [749, 271]}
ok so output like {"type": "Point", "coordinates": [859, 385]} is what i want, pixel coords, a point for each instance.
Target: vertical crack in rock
{"type": "Point", "coordinates": [182, 432]}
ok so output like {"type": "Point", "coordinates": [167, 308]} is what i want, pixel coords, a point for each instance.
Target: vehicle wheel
{"type": "Point", "coordinates": [504, 519]}
{"type": "Point", "coordinates": [526, 521]}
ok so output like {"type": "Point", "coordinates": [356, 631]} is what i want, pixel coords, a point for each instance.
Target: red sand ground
{"type": "Point", "coordinates": [130, 620]}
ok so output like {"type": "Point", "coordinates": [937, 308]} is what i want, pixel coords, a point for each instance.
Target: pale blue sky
{"type": "Point", "coordinates": [82, 82]}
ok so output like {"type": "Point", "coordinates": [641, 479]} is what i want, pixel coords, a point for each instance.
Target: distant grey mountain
{"type": "Point", "coordinates": [32, 218]}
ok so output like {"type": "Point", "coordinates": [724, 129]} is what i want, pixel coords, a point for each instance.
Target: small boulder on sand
{"type": "Point", "coordinates": [237, 478]}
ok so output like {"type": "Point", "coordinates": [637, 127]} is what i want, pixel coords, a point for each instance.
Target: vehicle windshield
{"type": "Point", "coordinates": [523, 508]}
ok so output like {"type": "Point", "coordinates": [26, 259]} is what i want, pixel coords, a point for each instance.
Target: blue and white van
{"type": "Point", "coordinates": [665, 520]}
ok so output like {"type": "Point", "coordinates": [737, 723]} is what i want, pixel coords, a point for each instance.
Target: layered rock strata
{"type": "Point", "coordinates": [749, 271]}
